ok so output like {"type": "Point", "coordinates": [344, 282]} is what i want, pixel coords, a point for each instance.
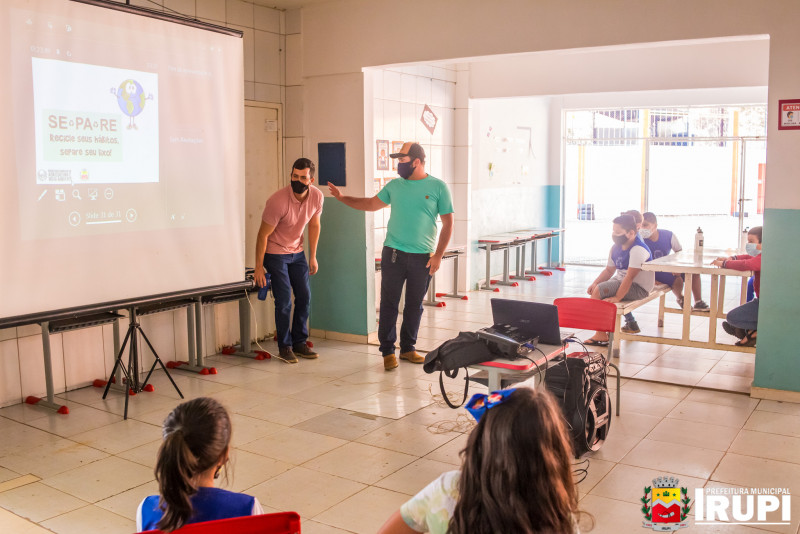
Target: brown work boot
{"type": "Point", "coordinates": [302, 350]}
{"type": "Point", "coordinates": [287, 355]}
{"type": "Point", "coordinates": [412, 356]}
{"type": "Point", "coordinates": [389, 362]}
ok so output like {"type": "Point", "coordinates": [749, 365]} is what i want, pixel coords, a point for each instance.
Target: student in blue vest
{"type": "Point", "coordinates": [662, 243]}
{"type": "Point", "coordinates": [196, 446]}
{"type": "Point", "coordinates": [623, 277]}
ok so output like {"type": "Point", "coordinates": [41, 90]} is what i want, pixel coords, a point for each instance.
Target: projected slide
{"type": "Point", "coordinates": [118, 128]}
{"type": "Point", "coordinates": [121, 155]}
{"type": "Point", "coordinates": [94, 125]}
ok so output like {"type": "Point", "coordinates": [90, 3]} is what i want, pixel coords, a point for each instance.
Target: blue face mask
{"type": "Point", "coordinates": [751, 249]}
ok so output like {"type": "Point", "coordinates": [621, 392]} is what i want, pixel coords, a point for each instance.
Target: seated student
{"type": "Point", "coordinates": [743, 321]}
{"type": "Point", "coordinates": [623, 277]}
{"type": "Point", "coordinates": [662, 243]}
{"type": "Point", "coordinates": [196, 446]}
{"type": "Point", "coordinates": [516, 474]}
{"type": "Point", "coordinates": [631, 326]}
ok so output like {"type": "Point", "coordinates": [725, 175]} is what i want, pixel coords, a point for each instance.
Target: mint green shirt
{"type": "Point", "coordinates": [415, 206]}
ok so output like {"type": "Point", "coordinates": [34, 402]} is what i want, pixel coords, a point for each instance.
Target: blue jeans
{"type": "Point", "coordinates": [289, 273]}
{"type": "Point", "coordinates": [745, 316]}
{"type": "Point", "coordinates": [398, 268]}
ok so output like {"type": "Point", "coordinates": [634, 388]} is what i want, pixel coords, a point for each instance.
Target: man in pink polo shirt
{"type": "Point", "coordinates": [280, 243]}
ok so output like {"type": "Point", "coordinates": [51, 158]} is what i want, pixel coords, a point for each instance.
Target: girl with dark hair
{"type": "Point", "coordinates": [196, 446]}
{"type": "Point", "coordinates": [516, 475]}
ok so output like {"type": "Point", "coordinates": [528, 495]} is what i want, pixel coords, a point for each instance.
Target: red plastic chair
{"type": "Point", "coordinates": [280, 523]}
{"type": "Point", "coordinates": [590, 314]}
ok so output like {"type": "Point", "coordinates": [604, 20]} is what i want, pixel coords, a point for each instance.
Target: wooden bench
{"type": "Point", "coordinates": [659, 291]}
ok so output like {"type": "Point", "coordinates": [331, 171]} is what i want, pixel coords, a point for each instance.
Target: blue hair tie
{"type": "Point", "coordinates": [479, 402]}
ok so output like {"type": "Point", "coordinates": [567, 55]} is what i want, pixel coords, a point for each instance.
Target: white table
{"type": "Point", "coordinates": [692, 264]}
{"type": "Point", "coordinates": [499, 367]}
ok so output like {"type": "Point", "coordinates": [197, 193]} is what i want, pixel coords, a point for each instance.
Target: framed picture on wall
{"type": "Point", "coordinates": [396, 146]}
{"type": "Point", "coordinates": [382, 152]}
{"type": "Point", "coordinates": [789, 114]}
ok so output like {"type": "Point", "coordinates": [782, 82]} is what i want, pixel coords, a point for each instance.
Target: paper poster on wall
{"type": "Point", "coordinates": [429, 119]}
{"type": "Point", "coordinates": [382, 152]}
{"type": "Point", "coordinates": [396, 146]}
{"type": "Point", "coordinates": [789, 114]}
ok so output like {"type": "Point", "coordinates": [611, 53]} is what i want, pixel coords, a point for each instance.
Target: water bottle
{"type": "Point", "coordinates": [698, 241]}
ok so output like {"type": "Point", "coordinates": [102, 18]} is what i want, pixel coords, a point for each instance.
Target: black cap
{"type": "Point", "coordinates": [414, 151]}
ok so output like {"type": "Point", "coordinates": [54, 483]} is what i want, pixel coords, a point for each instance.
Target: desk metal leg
{"type": "Point", "coordinates": [506, 281]}
{"type": "Point", "coordinates": [455, 293]}
{"type": "Point", "coordinates": [487, 283]}
{"type": "Point", "coordinates": [192, 335]}
{"type": "Point", "coordinates": [245, 347]}
{"type": "Point", "coordinates": [430, 299]}
{"type": "Point", "coordinates": [494, 380]}
{"type": "Point", "coordinates": [48, 376]}
{"type": "Point", "coordinates": [199, 330]}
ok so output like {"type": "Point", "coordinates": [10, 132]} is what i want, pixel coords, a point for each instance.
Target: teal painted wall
{"type": "Point", "coordinates": [340, 299]}
{"type": "Point", "coordinates": [777, 353]}
{"type": "Point", "coordinates": [552, 210]}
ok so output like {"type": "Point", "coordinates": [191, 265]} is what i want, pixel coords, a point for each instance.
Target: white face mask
{"type": "Point", "coordinates": [751, 249]}
{"type": "Point", "coordinates": [645, 233]}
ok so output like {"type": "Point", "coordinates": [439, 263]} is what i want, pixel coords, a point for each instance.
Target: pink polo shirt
{"type": "Point", "coordinates": [290, 217]}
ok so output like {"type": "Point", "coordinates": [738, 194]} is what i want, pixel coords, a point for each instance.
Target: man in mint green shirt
{"type": "Point", "coordinates": [410, 253]}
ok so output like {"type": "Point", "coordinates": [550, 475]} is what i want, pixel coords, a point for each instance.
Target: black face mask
{"type": "Point", "coordinates": [405, 169]}
{"type": "Point", "coordinates": [299, 187]}
{"type": "Point", "coordinates": [619, 239]}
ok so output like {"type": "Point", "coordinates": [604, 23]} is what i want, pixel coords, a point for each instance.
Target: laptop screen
{"type": "Point", "coordinates": [531, 319]}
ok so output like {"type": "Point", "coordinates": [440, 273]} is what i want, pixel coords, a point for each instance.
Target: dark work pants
{"type": "Point", "coordinates": [398, 268]}
{"type": "Point", "coordinates": [289, 273]}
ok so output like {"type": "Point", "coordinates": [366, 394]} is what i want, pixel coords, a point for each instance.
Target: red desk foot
{"type": "Point", "coordinates": [561, 268]}
{"type": "Point", "coordinates": [465, 297]}
{"type": "Point", "coordinates": [310, 344]}
{"type": "Point", "coordinates": [227, 351]}
{"type": "Point", "coordinates": [263, 355]}
{"type": "Point", "coordinates": [441, 304]}
{"type": "Point", "coordinates": [546, 273]}
{"type": "Point", "coordinates": [493, 282]}
{"type": "Point", "coordinates": [531, 279]}
{"type": "Point", "coordinates": [515, 284]}
{"type": "Point", "coordinates": [441, 294]}
{"type": "Point", "coordinates": [100, 383]}
{"type": "Point", "coordinates": [149, 388]}
{"type": "Point", "coordinates": [173, 365]}
{"type": "Point", "coordinates": [511, 276]}
{"type": "Point", "coordinates": [204, 371]}
{"type": "Point", "coordinates": [63, 410]}
{"type": "Point", "coordinates": [131, 393]}
{"type": "Point", "coordinates": [496, 290]}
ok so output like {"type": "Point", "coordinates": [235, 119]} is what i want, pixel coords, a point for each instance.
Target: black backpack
{"type": "Point", "coordinates": [462, 351]}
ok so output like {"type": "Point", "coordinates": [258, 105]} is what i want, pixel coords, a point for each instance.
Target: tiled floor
{"type": "Point", "coordinates": [344, 443]}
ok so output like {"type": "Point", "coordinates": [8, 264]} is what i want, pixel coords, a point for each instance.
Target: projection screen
{"type": "Point", "coordinates": [121, 156]}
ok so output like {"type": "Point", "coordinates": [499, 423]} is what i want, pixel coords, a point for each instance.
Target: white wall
{"type": "Point", "coordinates": [508, 196]}
{"type": "Point", "coordinates": [344, 37]}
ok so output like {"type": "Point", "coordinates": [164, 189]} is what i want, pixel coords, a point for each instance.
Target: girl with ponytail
{"type": "Point", "coordinates": [196, 447]}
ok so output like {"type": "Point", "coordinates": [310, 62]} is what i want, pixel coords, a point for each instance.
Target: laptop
{"type": "Point", "coordinates": [522, 321]}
